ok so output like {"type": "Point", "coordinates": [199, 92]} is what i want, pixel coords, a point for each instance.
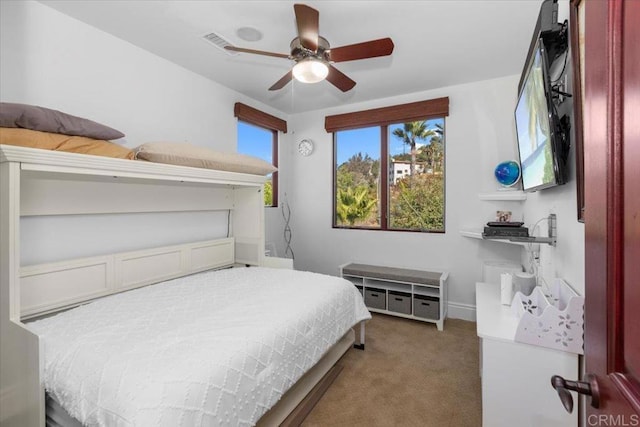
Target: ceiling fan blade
{"type": "Point", "coordinates": [307, 19]}
{"type": "Point", "coordinates": [339, 79]}
{"type": "Point", "coordinates": [282, 82]}
{"type": "Point", "coordinates": [257, 52]}
{"type": "Point", "coordinates": [364, 50]}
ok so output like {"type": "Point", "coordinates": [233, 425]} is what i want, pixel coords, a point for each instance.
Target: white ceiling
{"type": "Point", "coordinates": [437, 43]}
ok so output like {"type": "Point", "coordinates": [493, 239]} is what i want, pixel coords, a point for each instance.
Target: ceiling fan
{"type": "Point", "coordinates": [314, 56]}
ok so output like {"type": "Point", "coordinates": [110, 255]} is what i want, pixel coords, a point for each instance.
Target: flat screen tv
{"type": "Point", "coordinates": [541, 136]}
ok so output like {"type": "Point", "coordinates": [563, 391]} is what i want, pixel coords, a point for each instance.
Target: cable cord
{"type": "Point", "coordinates": [565, 24]}
{"type": "Point", "coordinates": [286, 215]}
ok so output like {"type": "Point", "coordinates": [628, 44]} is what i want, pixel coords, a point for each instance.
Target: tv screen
{"type": "Point", "coordinates": [536, 125]}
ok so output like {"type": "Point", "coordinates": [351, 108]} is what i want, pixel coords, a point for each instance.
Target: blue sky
{"type": "Point", "coordinates": [367, 141]}
{"type": "Point", "coordinates": [350, 142]}
{"type": "Point", "coordinates": [254, 141]}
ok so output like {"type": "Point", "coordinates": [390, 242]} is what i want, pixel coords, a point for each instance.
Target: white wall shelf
{"type": "Point", "coordinates": [551, 240]}
{"type": "Point", "coordinates": [504, 195]}
{"type": "Point", "coordinates": [477, 234]}
{"type": "Point", "coordinates": [473, 234]}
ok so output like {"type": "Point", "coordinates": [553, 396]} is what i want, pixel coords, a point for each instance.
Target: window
{"type": "Point", "coordinates": [390, 175]}
{"type": "Point", "coordinates": [258, 137]}
{"type": "Point", "coordinates": [259, 142]}
{"type": "Point", "coordinates": [416, 200]}
{"type": "Point", "coordinates": [357, 177]}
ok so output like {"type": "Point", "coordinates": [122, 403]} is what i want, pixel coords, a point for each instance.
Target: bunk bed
{"type": "Point", "coordinates": [35, 182]}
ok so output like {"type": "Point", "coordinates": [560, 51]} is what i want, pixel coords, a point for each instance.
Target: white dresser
{"type": "Point", "coordinates": [516, 387]}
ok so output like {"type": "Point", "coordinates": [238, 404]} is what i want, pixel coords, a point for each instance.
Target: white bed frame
{"type": "Point", "coordinates": [39, 182]}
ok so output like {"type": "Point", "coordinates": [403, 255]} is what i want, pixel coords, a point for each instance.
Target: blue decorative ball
{"type": "Point", "coordinates": [507, 173]}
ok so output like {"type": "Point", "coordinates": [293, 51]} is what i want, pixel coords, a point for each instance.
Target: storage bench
{"type": "Point", "coordinates": [413, 294]}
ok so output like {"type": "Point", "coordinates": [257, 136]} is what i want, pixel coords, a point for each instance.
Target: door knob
{"type": "Point", "coordinates": [588, 387]}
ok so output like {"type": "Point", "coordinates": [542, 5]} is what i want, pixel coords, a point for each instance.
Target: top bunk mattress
{"type": "Point", "coordinates": [213, 348]}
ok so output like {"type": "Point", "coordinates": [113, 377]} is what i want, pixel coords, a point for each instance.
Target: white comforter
{"type": "Point", "coordinates": [215, 348]}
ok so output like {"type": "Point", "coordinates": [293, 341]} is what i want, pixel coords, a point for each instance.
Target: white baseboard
{"type": "Point", "coordinates": [457, 310]}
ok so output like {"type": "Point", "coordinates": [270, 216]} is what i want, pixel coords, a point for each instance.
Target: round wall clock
{"type": "Point", "coordinates": [305, 147]}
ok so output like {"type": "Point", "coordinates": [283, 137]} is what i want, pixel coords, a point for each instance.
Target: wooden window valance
{"type": "Point", "coordinates": [388, 115]}
{"type": "Point", "coordinates": [256, 117]}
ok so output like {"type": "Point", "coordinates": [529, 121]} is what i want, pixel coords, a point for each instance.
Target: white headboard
{"type": "Point", "coordinates": [39, 182]}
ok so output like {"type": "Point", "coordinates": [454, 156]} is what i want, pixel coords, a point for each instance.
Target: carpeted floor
{"type": "Point", "coordinates": [409, 375]}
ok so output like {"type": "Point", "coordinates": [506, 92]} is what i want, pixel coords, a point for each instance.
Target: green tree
{"type": "Point", "coordinates": [361, 170]}
{"type": "Point", "coordinates": [409, 134]}
{"type": "Point", "coordinates": [435, 153]}
{"type": "Point", "coordinates": [359, 163]}
{"type": "Point", "coordinates": [354, 204]}
{"type": "Point", "coordinates": [418, 207]}
{"type": "Point", "coordinates": [436, 148]}
{"type": "Point", "coordinates": [344, 178]}
{"type": "Point", "coordinates": [268, 193]}
{"type": "Point", "coordinates": [404, 157]}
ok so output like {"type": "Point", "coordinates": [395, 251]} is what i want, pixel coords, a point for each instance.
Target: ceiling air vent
{"type": "Point", "coordinates": [218, 41]}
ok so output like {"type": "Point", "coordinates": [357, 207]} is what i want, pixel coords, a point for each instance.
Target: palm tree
{"type": "Point", "coordinates": [409, 133]}
{"type": "Point", "coordinates": [436, 153]}
{"type": "Point", "coordinates": [354, 204]}
{"type": "Point", "coordinates": [435, 149]}
{"type": "Point", "coordinates": [439, 130]}
{"type": "Point", "coordinates": [536, 103]}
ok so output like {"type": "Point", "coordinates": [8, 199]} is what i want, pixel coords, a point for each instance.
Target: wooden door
{"type": "Point", "coordinates": [612, 209]}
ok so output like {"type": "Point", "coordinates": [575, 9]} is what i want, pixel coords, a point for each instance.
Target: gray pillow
{"type": "Point", "coordinates": [47, 120]}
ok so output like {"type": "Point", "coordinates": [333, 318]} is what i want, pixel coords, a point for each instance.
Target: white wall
{"type": "Point", "coordinates": [566, 260]}
{"type": "Point", "coordinates": [56, 61]}
{"type": "Point", "coordinates": [480, 133]}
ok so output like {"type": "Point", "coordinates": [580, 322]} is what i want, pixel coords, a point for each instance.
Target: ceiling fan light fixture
{"type": "Point", "coordinates": [310, 70]}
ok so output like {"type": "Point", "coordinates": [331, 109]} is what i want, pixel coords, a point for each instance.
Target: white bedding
{"type": "Point", "coordinates": [215, 348]}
